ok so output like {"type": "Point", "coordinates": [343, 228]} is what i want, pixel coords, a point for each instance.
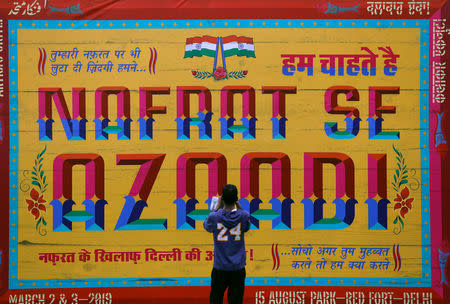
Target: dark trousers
{"type": "Point", "coordinates": [233, 280]}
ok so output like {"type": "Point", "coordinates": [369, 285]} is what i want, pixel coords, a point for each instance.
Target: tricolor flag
{"type": "Point", "coordinates": [241, 46]}
{"type": "Point", "coordinates": [199, 46]}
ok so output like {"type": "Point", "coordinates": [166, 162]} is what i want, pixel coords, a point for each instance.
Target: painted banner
{"type": "Point", "coordinates": [120, 130]}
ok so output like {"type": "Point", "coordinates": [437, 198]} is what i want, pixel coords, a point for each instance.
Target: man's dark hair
{"type": "Point", "coordinates": [229, 194]}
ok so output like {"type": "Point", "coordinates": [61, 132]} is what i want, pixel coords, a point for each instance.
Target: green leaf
{"type": "Point", "coordinates": [398, 158]}
{"type": "Point", "coordinates": [395, 178]}
{"type": "Point", "coordinates": [42, 173]}
{"type": "Point", "coordinates": [38, 222]}
{"type": "Point", "coordinates": [405, 177]}
{"type": "Point", "coordinates": [40, 166]}
{"type": "Point", "coordinates": [44, 222]}
{"type": "Point", "coordinates": [42, 152]}
{"type": "Point", "coordinates": [36, 183]}
{"type": "Point", "coordinates": [396, 171]}
{"type": "Point", "coordinates": [401, 221]}
{"type": "Point", "coordinates": [44, 180]}
{"type": "Point", "coordinates": [35, 162]}
{"type": "Point", "coordinates": [396, 151]}
{"type": "Point", "coordinates": [396, 220]}
{"type": "Point", "coordinates": [34, 178]}
{"type": "Point", "coordinates": [405, 181]}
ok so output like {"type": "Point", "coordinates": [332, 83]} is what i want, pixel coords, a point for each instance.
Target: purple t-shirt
{"type": "Point", "coordinates": [228, 229]}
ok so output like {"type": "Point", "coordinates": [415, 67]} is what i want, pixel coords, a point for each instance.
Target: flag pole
{"type": "Point", "coordinates": [223, 57]}
{"type": "Point", "coordinates": [215, 57]}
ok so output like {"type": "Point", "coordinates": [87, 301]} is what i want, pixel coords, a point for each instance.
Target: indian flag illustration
{"type": "Point", "coordinates": [240, 46]}
{"type": "Point", "coordinates": [219, 46]}
{"type": "Point", "coordinates": [199, 46]}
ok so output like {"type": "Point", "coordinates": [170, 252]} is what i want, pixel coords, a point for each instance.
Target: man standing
{"type": "Point", "coordinates": [228, 224]}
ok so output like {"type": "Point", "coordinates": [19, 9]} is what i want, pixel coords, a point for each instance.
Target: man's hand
{"type": "Point", "coordinates": [220, 204]}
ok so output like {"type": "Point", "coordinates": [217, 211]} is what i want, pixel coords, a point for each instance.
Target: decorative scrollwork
{"type": "Point", "coordinates": [24, 185]}
{"type": "Point", "coordinates": [415, 183]}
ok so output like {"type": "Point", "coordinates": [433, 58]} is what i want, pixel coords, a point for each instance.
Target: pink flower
{"type": "Point", "coordinates": [220, 73]}
{"type": "Point", "coordinates": [36, 204]}
{"type": "Point", "coordinates": [403, 202]}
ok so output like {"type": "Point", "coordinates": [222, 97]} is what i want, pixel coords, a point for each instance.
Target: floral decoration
{"type": "Point", "coordinates": [220, 74]}
{"type": "Point", "coordinates": [403, 200]}
{"type": "Point", "coordinates": [36, 202]}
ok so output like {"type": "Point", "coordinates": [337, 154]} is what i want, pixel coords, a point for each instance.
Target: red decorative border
{"type": "Point", "coordinates": [198, 9]}
{"type": "Point", "coordinates": [4, 158]}
{"type": "Point", "coordinates": [445, 166]}
{"type": "Point", "coordinates": [253, 294]}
